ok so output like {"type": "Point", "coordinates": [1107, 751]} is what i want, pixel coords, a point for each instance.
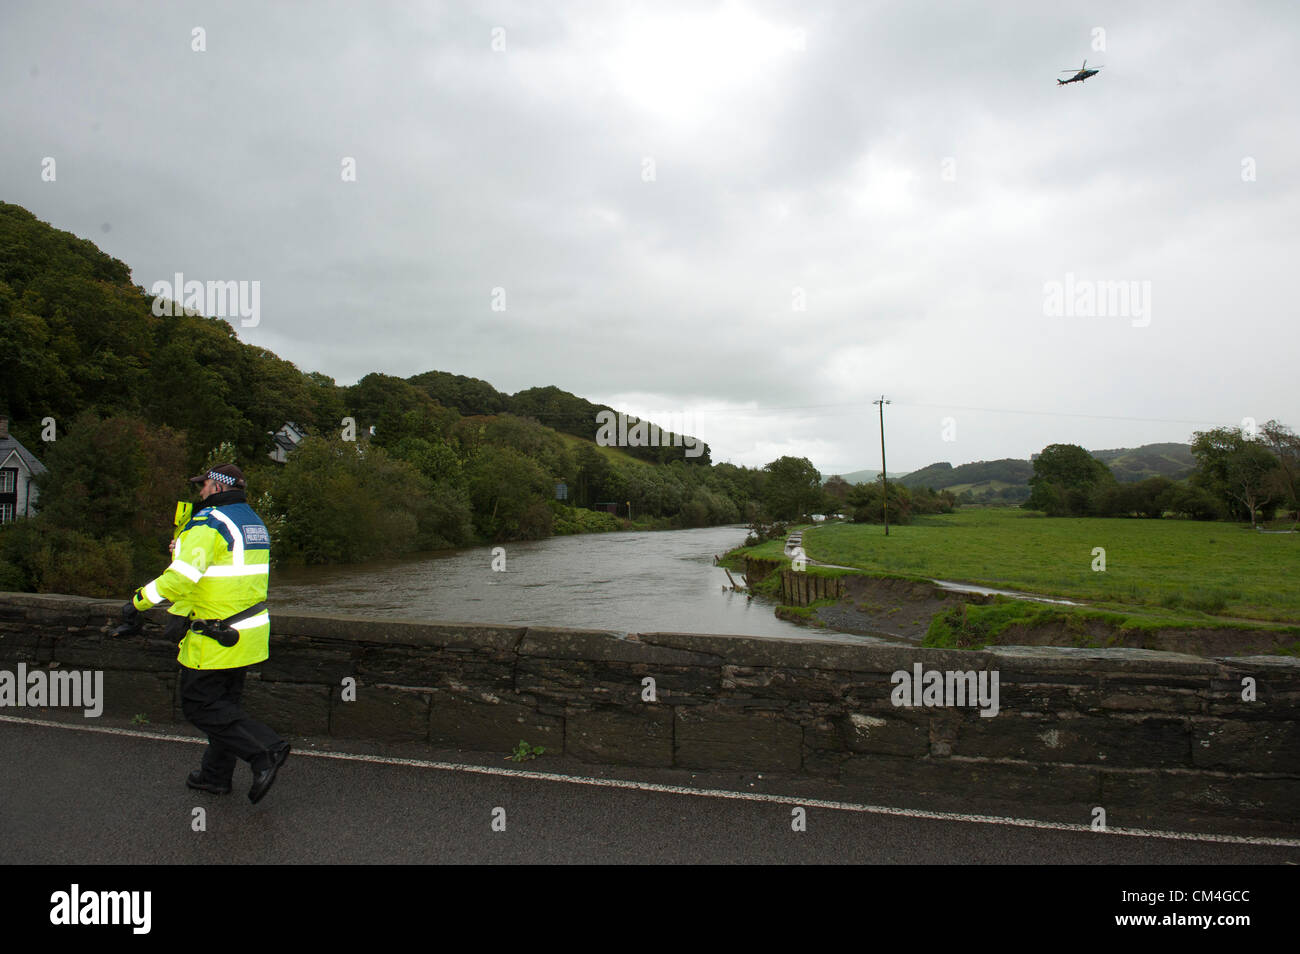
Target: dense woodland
{"type": "Point", "coordinates": [121, 405]}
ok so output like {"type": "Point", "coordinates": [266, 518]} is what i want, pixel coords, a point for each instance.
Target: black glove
{"type": "Point", "coordinates": [175, 627]}
{"type": "Point", "coordinates": [133, 621]}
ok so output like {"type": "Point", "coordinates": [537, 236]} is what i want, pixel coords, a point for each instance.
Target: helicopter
{"type": "Point", "coordinates": [1078, 77]}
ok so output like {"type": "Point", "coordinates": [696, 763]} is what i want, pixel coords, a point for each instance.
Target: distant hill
{"type": "Point", "coordinates": [550, 406]}
{"type": "Point", "coordinates": [467, 395]}
{"type": "Point", "coordinates": [1008, 471]}
{"type": "Point", "coordinates": [864, 476]}
{"type": "Point", "coordinates": [1174, 461]}
{"type": "Point", "coordinates": [1008, 479]}
{"type": "Point", "coordinates": [441, 459]}
{"type": "Point", "coordinates": [76, 334]}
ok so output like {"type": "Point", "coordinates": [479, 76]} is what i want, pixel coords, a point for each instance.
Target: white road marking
{"type": "Point", "coordinates": [701, 792]}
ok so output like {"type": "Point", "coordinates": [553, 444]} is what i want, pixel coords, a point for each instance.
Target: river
{"type": "Point", "coordinates": [629, 582]}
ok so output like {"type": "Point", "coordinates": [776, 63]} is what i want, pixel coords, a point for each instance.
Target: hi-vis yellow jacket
{"type": "Point", "coordinates": [221, 566]}
{"type": "Point", "coordinates": [184, 511]}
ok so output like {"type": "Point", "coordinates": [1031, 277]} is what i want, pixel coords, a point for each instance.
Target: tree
{"type": "Point", "coordinates": [836, 491]}
{"type": "Point", "coordinates": [530, 438]}
{"type": "Point", "coordinates": [106, 507]}
{"type": "Point", "coordinates": [36, 382]}
{"type": "Point", "coordinates": [445, 517]}
{"type": "Point", "coordinates": [928, 500]}
{"type": "Point", "coordinates": [792, 489]}
{"type": "Point", "coordinates": [1067, 481]}
{"type": "Point", "coordinates": [1146, 498]}
{"type": "Point", "coordinates": [37, 557]}
{"type": "Point", "coordinates": [1285, 445]}
{"type": "Point", "coordinates": [509, 492]}
{"type": "Point", "coordinates": [557, 409]}
{"type": "Point", "coordinates": [1235, 468]}
{"type": "Point", "coordinates": [1186, 500]}
{"type": "Point", "coordinates": [592, 471]}
{"type": "Point", "coordinates": [192, 383]}
{"type": "Point", "coordinates": [466, 395]}
{"type": "Point", "coordinates": [865, 499]}
{"type": "Point", "coordinates": [117, 477]}
{"type": "Point", "coordinates": [274, 391]}
{"type": "Point", "coordinates": [347, 502]}
{"type": "Point", "coordinates": [323, 411]}
{"type": "Point", "coordinates": [435, 460]}
{"type": "Point", "coordinates": [383, 401]}
{"type": "Point", "coordinates": [1251, 478]}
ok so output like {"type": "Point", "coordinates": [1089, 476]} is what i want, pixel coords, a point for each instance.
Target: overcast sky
{"type": "Point", "coordinates": [755, 216]}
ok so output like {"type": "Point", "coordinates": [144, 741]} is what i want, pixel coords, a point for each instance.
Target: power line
{"type": "Point", "coordinates": [863, 405]}
{"type": "Point", "coordinates": [1095, 417]}
{"type": "Point", "coordinates": [955, 407]}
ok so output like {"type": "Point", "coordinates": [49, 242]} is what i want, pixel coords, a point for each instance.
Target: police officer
{"type": "Point", "coordinates": [219, 573]}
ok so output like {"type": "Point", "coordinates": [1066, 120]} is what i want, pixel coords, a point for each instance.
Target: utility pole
{"type": "Point", "coordinates": [884, 497]}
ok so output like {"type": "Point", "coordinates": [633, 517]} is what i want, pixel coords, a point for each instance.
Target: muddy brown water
{"type": "Point", "coordinates": [629, 582]}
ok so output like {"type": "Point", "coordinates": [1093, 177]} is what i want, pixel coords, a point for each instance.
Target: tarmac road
{"type": "Point", "coordinates": [77, 796]}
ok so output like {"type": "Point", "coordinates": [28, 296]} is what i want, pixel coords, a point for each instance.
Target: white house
{"type": "Point", "coordinates": [286, 439]}
{"type": "Point", "coordinates": [17, 468]}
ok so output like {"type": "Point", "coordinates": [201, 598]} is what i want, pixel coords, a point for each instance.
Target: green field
{"type": "Point", "coordinates": [1173, 568]}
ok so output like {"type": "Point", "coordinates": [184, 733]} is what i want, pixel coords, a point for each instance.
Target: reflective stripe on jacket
{"type": "Point", "coordinates": [221, 566]}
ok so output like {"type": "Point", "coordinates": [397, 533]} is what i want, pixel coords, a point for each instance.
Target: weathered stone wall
{"type": "Point", "coordinates": [1134, 731]}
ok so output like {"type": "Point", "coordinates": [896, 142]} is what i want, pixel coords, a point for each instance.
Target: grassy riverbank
{"type": "Point", "coordinates": [1158, 573]}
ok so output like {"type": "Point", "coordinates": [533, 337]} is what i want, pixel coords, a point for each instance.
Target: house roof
{"type": "Point", "coordinates": [10, 445]}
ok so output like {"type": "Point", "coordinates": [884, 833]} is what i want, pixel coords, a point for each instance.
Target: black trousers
{"type": "Point", "coordinates": [210, 700]}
